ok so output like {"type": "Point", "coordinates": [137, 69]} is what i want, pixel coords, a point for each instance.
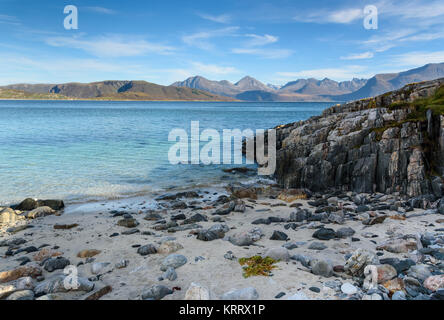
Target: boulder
{"type": "Point", "coordinates": [8, 216]}
{"type": "Point", "coordinates": [40, 212]}
{"type": "Point", "coordinates": [356, 264]}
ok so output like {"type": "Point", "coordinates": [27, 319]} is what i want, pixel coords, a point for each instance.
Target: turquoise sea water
{"type": "Point", "coordinates": [81, 150]}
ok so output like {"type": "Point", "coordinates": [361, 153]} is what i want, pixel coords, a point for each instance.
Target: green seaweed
{"type": "Point", "coordinates": [257, 266]}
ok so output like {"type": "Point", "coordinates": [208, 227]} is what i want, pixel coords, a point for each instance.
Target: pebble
{"type": "Point", "coordinates": [147, 250]}
{"type": "Point", "coordinates": [157, 292]}
{"type": "Point", "coordinates": [278, 253]}
{"type": "Point", "coordinates": [197, 292]}
{"type": "Point", "coordinates": [174, 261]}
{"type": "Point", "coordinates": [317, 246]}
{"type": "Point", "coordinates": [349, 289]}
{"type": "Point", "coordinates": [322, 268]}
{"type": "Point", "coordinates": [241, 294]}
{"type": "Point", "coordinates": [279, 236]}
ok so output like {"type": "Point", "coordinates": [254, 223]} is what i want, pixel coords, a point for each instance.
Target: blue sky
{"type": "Point", "coordinates": [274, 41]}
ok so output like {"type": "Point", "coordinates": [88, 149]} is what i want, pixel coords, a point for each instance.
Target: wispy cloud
{"type": "Point", "coordinates": [266, 53]}
{"type": "Point", "coordinates": [343, 16]}
{"type": "Point", "coordinates": [413, 9]}
{"type": "Point", "coordinates": [110, 46]}
{"type": "Point", "coordinates": [418, 58]}
{"type": "Point", "coordinates": [99, 10]}
{"type": "Point", "coordinates": [200, 39]}
{"type": "Point", "coordinates": [258, 40]}
{"type": "Point", "coordinates": [213, 69]}
{"type": "Point", "coordinates": [223, 18]}
{"type": "Point", "coordinates": [359, 56]}
{"type": "Point", "coordinates": [5, 19]}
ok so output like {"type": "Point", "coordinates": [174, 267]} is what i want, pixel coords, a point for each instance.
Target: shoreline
{"type": "Point", "coordinates": [220, 227]}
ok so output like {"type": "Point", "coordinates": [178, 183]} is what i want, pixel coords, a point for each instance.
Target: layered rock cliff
{"type": "Point", "coordinates": [390, 143]}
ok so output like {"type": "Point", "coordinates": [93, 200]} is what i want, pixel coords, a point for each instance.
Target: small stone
{"type": "Point", "coordinates": [122, 264]}
{"type": "Point", "coordinates": [322, 268]}
{"type": "Point", "coordinates": [349, 289]}
{"type": "Point", "coordinates": [324, 234]}
{"type": "Point", "coordinates": [241, 294]}
{"type": "Point", "coordinates": [373, 221]}
{"type": "Point", "coordinates": [53, 264]}
{"type": "Point", "coordinates": [317, 246]}
{"type": "Point", "coordinates": [20, 272]}
{"type": "Point", "coordinates": [197, 292]}
{"type": "Point", "coordinates": [147, 250]}
{"type": "Point", "coordinates": [434, 283]}
{"type": "Point", "coordinates": [40, 212]}
{"type": "Point", "coordinates": [170, 274]}
{"type": "Point", "coordinates": [386, 272]}
{"type": "Point", "coordinates": [169, 247]}
{"type": "Point", "coordinates": [345, 232]}
{"type": "Point", "coordinates": [88, 253]}
{"type": "Point", "coordinates": [298, 296]}
{"type": "Point", "coordinates": [361, 258]}
{"type": "Point", "coordinates": [314, 289]}
{"type": "Point", "coordinates": [278, 253]}
{"type": "Point", "coordinates": [399, 295]}
{"type": "Point", "coordinates": [98, 267]}
{"type": "Point", "coordinates": [128, 223]}
{"type": "Point", "coordinates": [279, 236]}
{"type": "Point", "coordinates": [174, 261]}
{"type": "Point", "coordinates": [21, 295]}
{"type": "Point", "coordinates": [157, 292]}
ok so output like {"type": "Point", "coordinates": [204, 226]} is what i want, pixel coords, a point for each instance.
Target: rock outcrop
{"type": "Point", "coordinates": [390, 143]}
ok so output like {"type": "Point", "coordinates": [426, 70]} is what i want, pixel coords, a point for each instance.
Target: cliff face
{"type": "Point", "coordinates": [391, 143]}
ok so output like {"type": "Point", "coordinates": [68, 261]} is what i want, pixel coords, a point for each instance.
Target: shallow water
{"type": "Point", "coordinates": [83, 150]}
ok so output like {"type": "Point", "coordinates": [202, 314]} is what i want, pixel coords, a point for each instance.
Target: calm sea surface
{"type": "Point", "coordinates": [82, 150]}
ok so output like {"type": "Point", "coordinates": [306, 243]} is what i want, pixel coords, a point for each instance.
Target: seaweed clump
{"type": "Point", "coordinates": [257, 266]}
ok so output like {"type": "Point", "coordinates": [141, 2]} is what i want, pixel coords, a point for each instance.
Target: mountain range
{"type": "Point", "coordinates": [112, 90]}
{"type": "Point", "coordinates": [247, 89]}
{"type": "Point", "coordinates": [250, 89]}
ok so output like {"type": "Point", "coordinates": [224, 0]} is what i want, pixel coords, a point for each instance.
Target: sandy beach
{"type": "Point", "coordinates": [208, 264]}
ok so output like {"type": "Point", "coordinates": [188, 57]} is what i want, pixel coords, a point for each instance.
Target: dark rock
{"type": "Point", "coordinates": [279, 236]}
{"type": "Point", "coordinates": [170, 196]}
{"type": "Point", "coordinates": [157, 292]}
{"type": "Point", "coordinates": [324, 234]}
{"type": "Point", "coordinates": [128, 223]}
{"type": "Point", "coordinates": [27, 205]}
{"type": "Point", "coordinates": [180, 216]}
{"type": "Point", "coordinates": [179, 205]}
{"type": "Point", "coordinates": [373, 221]}
{"type": "Point", "coordinates": [362, 208]}
{"type": "Point", "coordinates": [57, 263]}
{"type": "Point", "coordinates": [226, 209]}
{"type": "Point", "coordinates": [147, 250]}
{"type": "Point", "coordinates": [195, 218]}
{"type": "Point", "coordinates": [27, 250]}
{"type": "Point", "coordinates": [314, 289]}
{"type": "Point", "coordinates": [213, 233]}
{"type": "Point", "coordinates": [53, 204]}
{"type": "Point", "coordinates": [345, 232]}
{"type": "Point", "coordinates": [362, 157]}
{"type": "Point", "coordinates": [152, 216]}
